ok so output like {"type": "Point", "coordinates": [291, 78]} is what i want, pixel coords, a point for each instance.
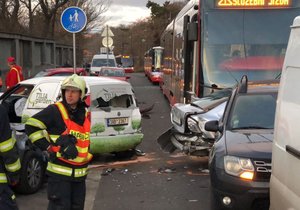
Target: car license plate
{"type": "Point", "coordinates": [117, 121]}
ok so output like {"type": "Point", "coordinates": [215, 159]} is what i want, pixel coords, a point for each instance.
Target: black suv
{"type": "Point", "coordinates": [240, 160]}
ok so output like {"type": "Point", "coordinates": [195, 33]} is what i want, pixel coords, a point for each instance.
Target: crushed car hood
{"type": "Point", "coordinates": [250, 143]}
{"type": "Point", "coordinates": [178, 115]}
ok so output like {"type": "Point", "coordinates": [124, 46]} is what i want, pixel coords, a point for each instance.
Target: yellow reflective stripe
{"type": "Point", "coordinates": [18, 73]}
{"type": "Point", "coordinates": [63, 111]}
{"type": "Point", "coordinates": [3, 178]}
{"type": "Point", "coordinates": [58, 169]}
{"type": "Point", "coordinates": [13, 197]}
{"type": "Point", "coordinates": [82, 150]}
{"type": "Point", "coordinates": [54, 137]}
{"type": "Point", "coordinates": [80, 172]}
{"type": "Point", "coordinates": [7, 145]}
{"type": "Point", "coordinates": [14, 166]}
{"type": "Point", "coordinates": [37, 135]}
{"type": "Point", "coordinates": [36, 123]}
{"type": "Point", "coordinates": [77, 159]}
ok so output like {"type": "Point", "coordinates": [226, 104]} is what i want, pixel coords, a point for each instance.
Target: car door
{"type": "Point", "coordinates": [42, 95]}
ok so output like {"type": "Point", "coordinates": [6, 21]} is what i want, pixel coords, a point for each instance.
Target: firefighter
{"type": "Point", "coordinates": [9, 163]}
{"type": "Point", "coordinates": [63, 129]}
{"type": "Point", "coordinates": [15, 75]}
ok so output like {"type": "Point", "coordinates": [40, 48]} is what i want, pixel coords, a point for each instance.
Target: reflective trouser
{"type": "Point", "coordinates": [7, 198]}
{"type": "Point", "coordinates": [65, 195]}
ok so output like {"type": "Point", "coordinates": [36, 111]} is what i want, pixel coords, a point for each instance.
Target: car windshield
{"type": "Point", "coordinates": [253, 111]}
{"type": "Point", "coordinates": [112, 73]}
{"type": "Point", "coordinates": [103, 62]}
{"type": "Point", "coordinates": [41, 74]}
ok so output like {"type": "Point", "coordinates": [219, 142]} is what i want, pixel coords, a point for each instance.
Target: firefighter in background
{"type": "Point", "coordinates": [63, 129]}
{"type": "Point", "coordinates": [9, 163]}
{"type": "Point", "coordinates": [15, 75]}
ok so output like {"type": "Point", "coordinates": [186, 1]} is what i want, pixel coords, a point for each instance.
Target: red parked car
{"type": "Point", "coordinates": [61, 72]}
{"type": "Point", "coordinates": [114, 73]}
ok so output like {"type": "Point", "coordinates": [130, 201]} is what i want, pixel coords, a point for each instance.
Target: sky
{"type": "Point", "coordinates": [128, 11]}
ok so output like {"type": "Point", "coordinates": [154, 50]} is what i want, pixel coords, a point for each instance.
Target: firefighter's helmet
{"type": "Point", "coordinates": [75, 81]}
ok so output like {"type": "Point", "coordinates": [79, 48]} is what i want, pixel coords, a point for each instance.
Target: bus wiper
{"type": "Point", "coordinates": [250, 127]}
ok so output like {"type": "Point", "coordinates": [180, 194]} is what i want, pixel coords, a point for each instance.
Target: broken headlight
{"type": "Point", "coordinates": [193, 125]}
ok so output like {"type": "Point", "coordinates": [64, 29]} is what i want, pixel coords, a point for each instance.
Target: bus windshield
{"type": "Point", "coordinates": [127, 62]}
{"type": "Point", "coordinates": [244, 42]}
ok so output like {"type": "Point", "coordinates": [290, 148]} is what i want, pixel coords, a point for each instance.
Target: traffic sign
{"type": "Point", "coordinates": [107, 41]}
{"type": "Point", "coordinates": [107, 32]}
{"type": "Point", "coordinates": [73, 19]}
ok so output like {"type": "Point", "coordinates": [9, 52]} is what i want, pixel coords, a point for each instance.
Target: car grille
{"type": "Point", "coordinates": [263, 169]}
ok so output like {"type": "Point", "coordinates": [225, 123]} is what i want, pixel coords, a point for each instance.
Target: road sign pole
{"type": "Point", "coordinates": [73, 20]}
{"type": "Point", "coordinates": [74, 53]}
{"type": "Point", "coordinates": [107, 45]}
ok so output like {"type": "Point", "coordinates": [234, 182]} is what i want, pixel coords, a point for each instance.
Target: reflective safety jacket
{"type": "Point", "coordinates": [58, 119]}
{"type": "Point", "coordinates": [82, 134]}
{"type": "Point", "coordinates": [14, 76]}
{"type": "Point", "coordinates": [9, 158]}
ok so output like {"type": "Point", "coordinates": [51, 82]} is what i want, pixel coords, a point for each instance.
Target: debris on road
{"type": "Point", "coordinates": [139, 152]}
{"type": "Point", "coordinates": [193, 200]}
{"type": "Point", "coordinates": [206, 171]}
{"type": "Point", "coordinates": [124, 171]}
{"type": "Point", "coordinates": [166, 170]}
{"type": "Point", "coordinates": [107, 171]}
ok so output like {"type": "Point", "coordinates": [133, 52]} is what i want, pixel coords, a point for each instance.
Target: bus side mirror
{"type": "Point", "coordinates": [192, 31]}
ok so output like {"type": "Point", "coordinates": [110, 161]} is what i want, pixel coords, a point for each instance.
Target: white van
{"type": "Point", "coordinates": [100, 60]}
{"type": "Point", "coordinates": [285, 182]}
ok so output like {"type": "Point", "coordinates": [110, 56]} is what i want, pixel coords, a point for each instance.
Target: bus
{"type": "Point", "coordinates": [212, 43]}
{"type": "Point", "coordinates": [153, 64]}
{"type": "Point", "coordinates": [126, 62]}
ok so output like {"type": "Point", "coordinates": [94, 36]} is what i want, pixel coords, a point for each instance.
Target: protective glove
{"type": "Point", "coordinates": [69, 152]}
{"type": "Point", "coordinates": [65, 140]}
{"type": "Point", "coordinates": [13, 180]}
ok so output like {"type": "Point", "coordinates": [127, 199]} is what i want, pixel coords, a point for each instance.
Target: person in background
{"type": "Point", "coordinates": [15, 75]}
{"type": "Point", "coordinates": [9, 163]}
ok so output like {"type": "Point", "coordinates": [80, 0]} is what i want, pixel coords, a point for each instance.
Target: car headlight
{"type": "Point", "coordinates": [240, 167]}
{"type": "Point", "coordinates": [193, 125]}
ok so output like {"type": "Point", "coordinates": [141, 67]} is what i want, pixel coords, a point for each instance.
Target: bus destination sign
{"type": "Point", "coordinates": [253, 4]}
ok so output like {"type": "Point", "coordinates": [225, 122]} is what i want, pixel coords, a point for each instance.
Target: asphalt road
{"type": "Point", "coordinates": [154, 181]}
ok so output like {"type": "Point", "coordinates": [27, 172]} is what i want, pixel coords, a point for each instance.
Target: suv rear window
{"type": "Point", "coordinates": [253, 111]}
{"type": "Point", "coordinates": [103, 62]}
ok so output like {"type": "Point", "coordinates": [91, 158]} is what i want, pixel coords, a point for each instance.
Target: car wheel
{"type": "Point", "coordinates": [31, 174]}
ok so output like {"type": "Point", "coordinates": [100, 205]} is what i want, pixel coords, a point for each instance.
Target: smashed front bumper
{"type": "Point", "coordinates": [190, 144]}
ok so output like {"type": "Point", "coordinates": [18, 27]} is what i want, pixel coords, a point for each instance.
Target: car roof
{"type": "Point", "coordinates": [103, 56]}
{"type": "Point", "coordinates": [110, 68]}
{"type": "Point", "coordinates": [90, 80]}
{"type": "Point", "coordinates": [67, 69]}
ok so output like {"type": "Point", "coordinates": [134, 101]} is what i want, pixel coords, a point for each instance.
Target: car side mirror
{"type": "Point", "coordinates": [213, 126]}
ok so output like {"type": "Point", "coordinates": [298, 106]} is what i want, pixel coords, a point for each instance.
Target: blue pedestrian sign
{"type": "Point", "coordinates": [73, 19]}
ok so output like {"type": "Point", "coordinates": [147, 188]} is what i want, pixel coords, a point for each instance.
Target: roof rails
{"type": "Point", "coordinates": [243, 86]}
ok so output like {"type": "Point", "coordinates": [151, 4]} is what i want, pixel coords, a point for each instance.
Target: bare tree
{"type": "Point", "coordinates": [9, 15]}
{"type": "Point", "coordinates": [49, 9]}
{"type": "Point", "coordinates": [31, 6]}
